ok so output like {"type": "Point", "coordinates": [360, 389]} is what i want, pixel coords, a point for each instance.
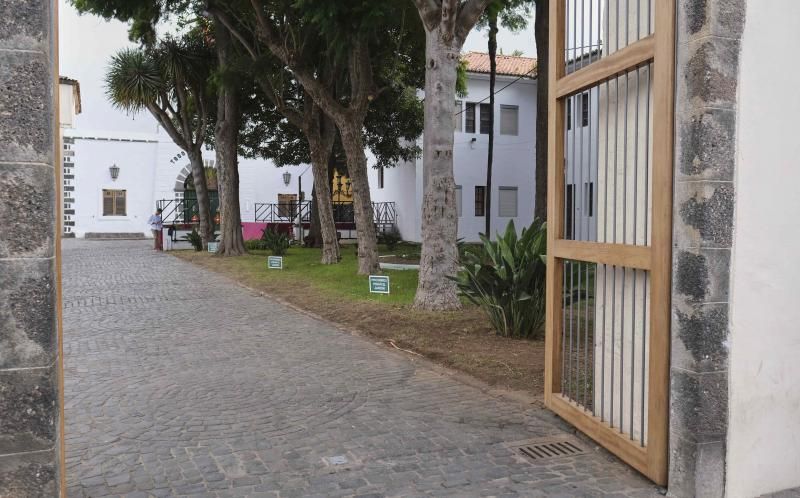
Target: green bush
{"type": "Point", "coordinates": [194, 239]}
{"type": "Point", "coordinates": [390, 238]}
{"type": "Point", "coordinates": [275, 241]}
{"type": "Point", "coordinates": [507, 279]}
{"type": "Point", "coordinates": [255, 245]}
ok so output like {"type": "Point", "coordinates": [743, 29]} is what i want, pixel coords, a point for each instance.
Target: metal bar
{"type": "Point", "coordinates": [644, 357]}
{"type": "Point", "coordinates": [578, 331]}
{"type": "Point", "coordinates": [622, 352]}
{"type": "Point", "coordinates": [613, 340]}
{"type": "Point", "coordinates": [571, 306]}
{"type": "Point", "coordinates": [586, 338]}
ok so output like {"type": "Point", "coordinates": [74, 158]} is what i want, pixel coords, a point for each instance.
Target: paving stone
{"type": "Point", "coordinates": [187, 384]}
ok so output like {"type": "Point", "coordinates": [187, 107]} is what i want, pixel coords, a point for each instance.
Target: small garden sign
{"type": "Point", "coordinates": [275, 262]}
{"type": "Point", "coordinates": [379, 284]}
{"type": "Point", "coordinates": [213, 246]}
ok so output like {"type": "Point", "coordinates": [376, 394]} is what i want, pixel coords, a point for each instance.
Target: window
{"type": "Point", "coordinates": [480, 201]}
{"type": "Point", "coordinates": [507, 202]}
{"type": "Point", "coordinates": [114, 203]}
{"type": "Point", "coordinates": [486, 124]}
{"type": "Point", "coordinates": [469, 125]}
{"type": "Point", "coordinates": [380, 177]}
{"type": "Point", "coordinates": [458, 200]}
{"type": "Point", "coordinates": [588, 196]}
{"type": "Point", "coordinates": [509, 120]}
{"type": "Point", "coordinates": [457, 116]}
{"type": "Point", "coordinates": [585, 109]}
{"type": "Point", "coordinates": [569, 113]}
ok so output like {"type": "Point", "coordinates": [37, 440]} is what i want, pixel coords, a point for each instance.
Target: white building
{"type": "Point", "coordinates": [514, 154]}
{"type": "Point", "coordinates": [69, 97]}
{"type": "Point", "coordinates": [150, 168]}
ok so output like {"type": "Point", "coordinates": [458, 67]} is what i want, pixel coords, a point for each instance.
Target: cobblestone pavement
{"type": "Point", "coordinates": [180, 382]}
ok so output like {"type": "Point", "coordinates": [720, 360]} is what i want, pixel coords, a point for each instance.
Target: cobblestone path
{"type": "Point", "coordinates": [179, 382]}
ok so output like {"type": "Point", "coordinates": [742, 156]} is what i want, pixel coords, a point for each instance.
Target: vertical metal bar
{"type": "Point", "coordinates": [578, 332]}
{"type": "Point", "coordinates": [627, 22]}
{"type": "Point", "coordinates": [570, 384]}
{"type": "Point", "coordinates": [622, 351]}
{"type": "Point", "coordinates": [616, 154]}
{"type": "Point", "coordinates": [586, 351]}
{"type": "Point", "coordinates": [647, 158]}
{"type": "Point", "coordinates": [644, 357]}
{"type": "Point", "coordinates": [625, 166]}
{"type": "Point", "coordinates": [583, 25]}
{"type": "Point", "coordinates": [633, 347]}
{"type": "Point", "coordinates": [563, 331]}
{"type": "Point", "coordinates": [612, 380]}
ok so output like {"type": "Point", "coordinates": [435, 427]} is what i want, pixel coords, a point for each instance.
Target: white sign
{"type": "Point", "coordinates": [213, 246]}
{"type": "Point", "coordinates": [275, 262]}
{"type": "Point", "coordinates": [379, 284]}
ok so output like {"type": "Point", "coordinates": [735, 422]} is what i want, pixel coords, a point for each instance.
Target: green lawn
{"type": "Point", "coordinates": [302, 264]}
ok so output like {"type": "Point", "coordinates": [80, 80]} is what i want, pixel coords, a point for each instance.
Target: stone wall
{"type": "Point", "coordinates": [30, 370]}
{"type": "Point", "coordinates": [708, 45]}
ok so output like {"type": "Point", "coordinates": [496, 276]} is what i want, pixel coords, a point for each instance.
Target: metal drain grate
{"type": "Point", "coordinates": [547, 448]}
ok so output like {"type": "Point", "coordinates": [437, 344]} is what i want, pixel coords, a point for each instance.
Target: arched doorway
{"type": "Point", "coordinates": [190, 195]}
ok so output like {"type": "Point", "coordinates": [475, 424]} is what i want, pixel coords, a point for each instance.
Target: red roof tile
{"type": "Point", "coordinates": [509, 65]}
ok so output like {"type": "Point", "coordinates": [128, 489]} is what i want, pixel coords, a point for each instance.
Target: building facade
{"type": "Point", "coordinates": [513, 182]}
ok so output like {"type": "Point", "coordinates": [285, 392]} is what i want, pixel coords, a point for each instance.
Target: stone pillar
{"type": "Point", "coordinates": [708, 41]}
{"type": "Point", "coordinates": [31, 453]}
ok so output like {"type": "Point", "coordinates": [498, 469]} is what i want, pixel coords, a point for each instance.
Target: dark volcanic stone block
{"type": "Point", "coordinates": [27, 28]}
{"type": "Point", "coordinates": [28, 475]}
{"type": "Point", "coordinates": [28, 403]}
{"type": "Point", "coordinates": [27, 117]}
{"type": "Point", "coordinates": [699, 405]}
{"type": "Point", "coordinates": [27, 323]}
{"type": "Point", "coordinates": [27, 210]}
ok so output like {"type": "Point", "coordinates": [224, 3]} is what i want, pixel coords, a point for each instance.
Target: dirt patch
{"type": "Point", "coordinates": [461, 340]}
{"type": "Point", "coordinates": [399, 260]}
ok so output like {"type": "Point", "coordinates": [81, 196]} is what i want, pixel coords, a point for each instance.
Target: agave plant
{"type": "Point", "coordinates": [507, 280]}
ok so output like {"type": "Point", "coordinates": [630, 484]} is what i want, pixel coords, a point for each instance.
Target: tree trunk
{"type": "Point", "coordinates": [203, 203]}
{"type": "Point", "coordinates": [227, 135]}
{"type": "Point", "coordinates": [542, 34]}
{"type": "Point", "coordinates": [320, 155]}
{"type": "Point", "coordinates": [439, 260]}
{"type": "Point", "coordinates": [353, 144]}
{"type": "Point", "coordinates": [315, 231]}
{"type": "Point", "coordinates": [492, 81]}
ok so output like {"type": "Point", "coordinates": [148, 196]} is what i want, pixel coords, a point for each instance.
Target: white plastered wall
{"type": "Point", "coordinates": [764, 404]}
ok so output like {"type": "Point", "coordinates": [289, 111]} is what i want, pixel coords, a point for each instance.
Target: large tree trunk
{"type": "Point", "coordinates": [542, 34]}
{"type": "Point", "coordinates": [492, 81]}
{"type": "Point", "coordinates": [315, 231]}
{"type": "Point", "coordinates": [439, 260]}
{"type": "Point", "coordinates": [320, 155]}
{"type": "Point", "coordinates": [227, 135]}
{"type": "Point", "coordinates": [353, 144]}
{"type": "Point", "coordinates": [201, 190]}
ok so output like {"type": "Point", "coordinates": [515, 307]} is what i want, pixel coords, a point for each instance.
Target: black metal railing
{"type": "Point", "coordinates": [384, 213]}
{"type": "Point", "coordinates": [178, 211]}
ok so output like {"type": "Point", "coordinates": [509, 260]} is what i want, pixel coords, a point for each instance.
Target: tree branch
{"type": "Point", "coordinates": [226, 21]}
{"type": "Point", "coordinates": [449, 17]}
{"type": "Point", "coordinates": [468, 16]}
{"type": "Point", "coordinates": [429, 12]}
{"type": "Point", "coordinates": [165, 121]}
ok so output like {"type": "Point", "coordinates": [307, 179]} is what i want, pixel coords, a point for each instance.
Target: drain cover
{"type": "Point", "coordinates": [547, 448]}
{"type": "Point", "coordinates": [337, 460]}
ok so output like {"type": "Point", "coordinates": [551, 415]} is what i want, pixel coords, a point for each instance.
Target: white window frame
{"type": "Point", "coordinates": [507, 108]}
{"type": "Point", "coordinates": [505, 214]}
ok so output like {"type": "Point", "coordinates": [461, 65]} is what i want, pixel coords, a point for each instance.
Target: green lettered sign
{"type": "Point", "coordinates": [213, 246]}
{"type": "Point", "coordinates": [275, 262]}
{"type": "Point", "coordinates": [379, 284]}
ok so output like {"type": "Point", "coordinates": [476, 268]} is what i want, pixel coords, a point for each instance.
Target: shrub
{"type": "Point", "coordinates": [255, 245]}
{"type": "Point", "coordinates": [507, 280]}
{"type": "Point", "coordinates": [194, 239]}
{"type": "Point", "coordinates": [390, 238]}
{"type": "Point", "coordinates": [275, 241]}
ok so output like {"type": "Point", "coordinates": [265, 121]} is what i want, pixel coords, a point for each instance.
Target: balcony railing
{"type": "Point", "coordinates": [384, 213]}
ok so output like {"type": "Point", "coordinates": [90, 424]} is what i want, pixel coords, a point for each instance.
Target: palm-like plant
{"type": "Point", "coordinates": [169, 80]}
{"type": "Point", "coordinates": [507, 279]}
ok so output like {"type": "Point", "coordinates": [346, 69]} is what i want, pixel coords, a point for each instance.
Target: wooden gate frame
{"type": "Point", "coordinates": [658, 48]}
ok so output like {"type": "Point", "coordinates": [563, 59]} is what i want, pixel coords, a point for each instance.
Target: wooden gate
{"type": "Point", "coordinates": [611, 82]}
